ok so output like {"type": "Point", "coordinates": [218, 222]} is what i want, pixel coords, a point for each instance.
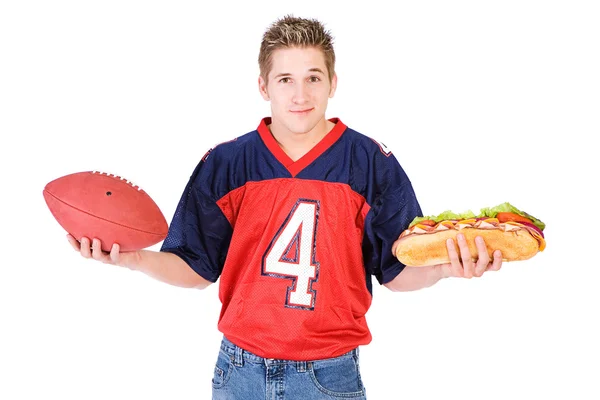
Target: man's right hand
{"type": "Point", "coordinates": [164, 266]}
{"type": "Point", "coordinates": [92, 249]}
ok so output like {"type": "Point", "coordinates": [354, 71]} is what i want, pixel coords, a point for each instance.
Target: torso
{"type": "Point", "coordinates": [294, 284]}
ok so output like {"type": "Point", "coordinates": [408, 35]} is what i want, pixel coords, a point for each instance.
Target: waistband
{"type": "Point", "coordinates": [239, 356]}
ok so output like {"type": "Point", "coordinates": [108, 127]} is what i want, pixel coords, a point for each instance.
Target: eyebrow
{"type": "Point", "coordinates": [284, 74]}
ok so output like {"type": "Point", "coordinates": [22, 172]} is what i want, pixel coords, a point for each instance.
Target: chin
{"type": "Point", "coordinates": [302, 124]}
{"type": "Point", "coordinates": [301, 127]}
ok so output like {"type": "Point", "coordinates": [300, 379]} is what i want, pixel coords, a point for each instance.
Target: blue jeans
{"type": "Point", "coordinates": [241, 375]}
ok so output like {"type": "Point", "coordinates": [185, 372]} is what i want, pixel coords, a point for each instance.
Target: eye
{"type": "Point", "coordinates": [284, 80]}
{"type": "Point", "coordinates": [314, 79]}
{"type": "Point", "coordinates": [108, 193]}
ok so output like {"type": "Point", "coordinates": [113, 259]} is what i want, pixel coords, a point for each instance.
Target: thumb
{"type": "Point", "coordinates": [115, 253]}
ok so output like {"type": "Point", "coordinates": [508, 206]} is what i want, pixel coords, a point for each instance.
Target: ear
{"type": "Point", "coordinates": [262, 88]}
{"type": "Point", "coordinates": [333, 85]}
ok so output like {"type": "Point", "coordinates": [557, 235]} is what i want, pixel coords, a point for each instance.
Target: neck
{"type": "Point", "coordinates": [296, 145]}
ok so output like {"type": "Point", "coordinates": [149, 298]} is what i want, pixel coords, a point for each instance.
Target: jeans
{"type": "Point", "coordinates": [241, 375]}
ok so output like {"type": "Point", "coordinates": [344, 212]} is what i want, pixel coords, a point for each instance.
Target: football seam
{"type": "Point", "coordinates": [119, 178]}
{"type": "Point", "coordinates": [103, 219]}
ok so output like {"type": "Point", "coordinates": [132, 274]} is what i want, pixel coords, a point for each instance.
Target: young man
{"type": "Point", "coordinates": [295, 218]}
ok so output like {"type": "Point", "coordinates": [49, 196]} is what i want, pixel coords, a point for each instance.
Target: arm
{"type": "Point", "coordinates": [163, 266]}
{"type": "Point", "coordinates": [391, 212]}
{"type": "Point", "coordinates": [415, 278]}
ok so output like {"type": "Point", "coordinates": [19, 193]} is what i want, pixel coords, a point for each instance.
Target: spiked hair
{"type": "Point", "coordinates": [291, 31]}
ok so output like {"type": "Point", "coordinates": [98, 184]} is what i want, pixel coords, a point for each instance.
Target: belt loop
{"type": "Point", "coordinates": [238, 360]}
{"type": "Point", "coordinates": [301, 366]}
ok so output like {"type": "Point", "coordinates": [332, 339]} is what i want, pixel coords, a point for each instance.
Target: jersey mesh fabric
{"type": "Point", "coordinates": [199, 232]}
{"type": "Point", "coordinates": [277, 302]}
{"type": "Point", "coordinates": [294, 243]}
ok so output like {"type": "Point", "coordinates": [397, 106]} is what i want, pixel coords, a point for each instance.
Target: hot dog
{"type": "Point", "coordinates": [517, 234]}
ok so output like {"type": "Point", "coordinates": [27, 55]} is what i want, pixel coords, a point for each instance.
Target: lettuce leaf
{"type": "Point", "coordinates": [507, 207]}
{"type": "Point", "coordinates": [490, 212]}
{"type": "Point", "coordinates": [445, 216]}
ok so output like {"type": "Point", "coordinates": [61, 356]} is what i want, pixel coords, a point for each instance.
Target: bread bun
{"type": "Point", "coordinates": [423, 249]}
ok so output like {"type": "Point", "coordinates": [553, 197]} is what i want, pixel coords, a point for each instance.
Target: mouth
{"type": "Point", "coordinates": [301, 112]}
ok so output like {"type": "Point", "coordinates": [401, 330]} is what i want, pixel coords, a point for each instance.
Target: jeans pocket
{"type": "Point", "coordinates": [222, 370]}
{"type": "Point", "coordinates": [338, 377]}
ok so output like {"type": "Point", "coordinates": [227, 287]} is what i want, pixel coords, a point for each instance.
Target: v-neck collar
{"type": "Point", "coordinates": [294, 167]}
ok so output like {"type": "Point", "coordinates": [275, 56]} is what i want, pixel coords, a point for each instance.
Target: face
{"type": "Point", "coordinates": [298, 88]}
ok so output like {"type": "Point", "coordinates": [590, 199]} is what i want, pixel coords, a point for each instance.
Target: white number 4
{"type": "Point", "coordinates": [291, 254]}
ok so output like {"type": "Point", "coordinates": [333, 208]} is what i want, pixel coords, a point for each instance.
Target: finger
{"type": "Point", "coordinates": [85, 248]}
{"type": "Point", "coordinates": [394, 247]}
{"type": "Point", "coordinates": [73, 242]}
{"type": "Point", "coordinates": [465, 256]}
{"type": "Point", "coordinates": [114, 253]}
{"type": "Point", "coordinates": [484, 258]}
{"type": "Point", "coordinates": [97, 253]}
{"type": "Point", "coordinates": [455, 265]}
{"type": "Point", "coordinates": [497, 263]}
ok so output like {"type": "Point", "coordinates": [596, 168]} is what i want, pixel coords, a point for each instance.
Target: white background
{"type": "Point", "coordinates": [482, 102]}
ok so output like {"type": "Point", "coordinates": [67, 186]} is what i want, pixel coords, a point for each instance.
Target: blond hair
{"type": "Point", "coordinates": [291, 31]}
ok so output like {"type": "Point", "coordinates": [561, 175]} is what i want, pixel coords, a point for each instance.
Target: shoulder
{"type": "Point", "coordinates": [213, 172]}
{"type": "Point", "coordinates": [229, 149]}
{"type": "Point", "coordinates": [367, 149]}
{"type": "Point", "coordinates": [362, 142]}
{"type": "Point", "coordinates": [380, 170]}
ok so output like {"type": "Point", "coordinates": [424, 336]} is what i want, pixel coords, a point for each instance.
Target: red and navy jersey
{"type": "Point", "coordinates": [294, 243]}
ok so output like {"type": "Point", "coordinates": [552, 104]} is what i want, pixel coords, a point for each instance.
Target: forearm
{"type": "Point", "coordinates": [415, 278]}
{"type": "Point", "coordinates": [165, 267]}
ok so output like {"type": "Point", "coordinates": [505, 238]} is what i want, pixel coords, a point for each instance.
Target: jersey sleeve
{"type": "Point", "coordinates": [393, 209]}
{"type": "Point", "coordinates": [199, 232]}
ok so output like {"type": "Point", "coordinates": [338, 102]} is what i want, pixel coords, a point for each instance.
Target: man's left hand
{"type": "Point", "coordinates": [463, 265]}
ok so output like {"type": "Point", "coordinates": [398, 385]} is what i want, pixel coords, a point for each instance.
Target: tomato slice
{"type": "Point", "coordinates": [428, 222]}
{"type": "Point", "coordinates": [508, 216]}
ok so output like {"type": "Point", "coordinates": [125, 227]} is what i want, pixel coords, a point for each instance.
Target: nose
{"type": "Point", "coordinates": [300, 93]}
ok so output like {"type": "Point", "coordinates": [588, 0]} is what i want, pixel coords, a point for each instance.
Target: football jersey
{"type": "Point", "coordinates": [294, 243]}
